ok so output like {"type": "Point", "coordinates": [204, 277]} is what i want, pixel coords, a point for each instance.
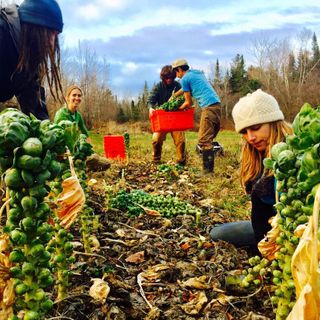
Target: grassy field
{"type": "Point", "coordinates": [222, 189]}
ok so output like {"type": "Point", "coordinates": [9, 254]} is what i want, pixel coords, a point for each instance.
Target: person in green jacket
{"type": "Point", "coordinates": [70, 110]}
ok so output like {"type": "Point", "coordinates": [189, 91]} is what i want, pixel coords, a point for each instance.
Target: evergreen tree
{"type": "Point", "coordinates": [238, 77]}
{"type": "Point", "coordinates": [121, 116]}
{"type": "Point", "coordinates": [135, 114]}
{"type": "Point", "coordinates": [142, 104]}
{"type": "Point", "coordinates": [315, 51]}
{"type": "Point", "coordinates": [217, 76]}
{"type": "Point", "coordinates": [292, 68]}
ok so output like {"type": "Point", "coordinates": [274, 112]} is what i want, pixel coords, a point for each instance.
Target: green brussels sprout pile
{"type": "Point", "coordinates": [296, 167]}
{"type": "Point", "coordinates": [172, 105]}
{"type": "Point", "coordinates": [30, 147]}
{"type": "Point", "coordinates": [167, 206]}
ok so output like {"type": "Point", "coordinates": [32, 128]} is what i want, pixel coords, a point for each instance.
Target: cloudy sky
{"type": "Point", "coordinates": [138, 37]}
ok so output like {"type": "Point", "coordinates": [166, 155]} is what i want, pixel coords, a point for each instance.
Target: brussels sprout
{"type": "Point", "coordinates": [29, 203]}
{"type": "Point", "coordinates": [16, 272]}
{"type": "Point", "coordinates": [18, 237]}
{"type": "Point", "coordinates": [31, 315]}
{"type": "Point", "coordinates": [37, 250]}
{"type": "Point", "coordinates": [28, 223]}
{"type": "Point", "coordinates": [21, 288]}
{"type": "Point", "coordinates": [33, 147]}
{"type": "Point", "coordinates": [46, 305]}
{"type": "Point", "coordinates": [16, 255]}
{"type": "Point", "coordinates": [28, 268]}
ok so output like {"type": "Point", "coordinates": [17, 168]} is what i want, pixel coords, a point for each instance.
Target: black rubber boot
{"type": "Point", "coordinates": [208, 160]}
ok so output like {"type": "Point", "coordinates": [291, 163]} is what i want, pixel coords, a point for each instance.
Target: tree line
{"type": "Point", "coordinates": [290, 73]}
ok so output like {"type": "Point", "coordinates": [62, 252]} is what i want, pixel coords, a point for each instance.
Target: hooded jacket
{"type": "Point", "coordinates": [27, 89]}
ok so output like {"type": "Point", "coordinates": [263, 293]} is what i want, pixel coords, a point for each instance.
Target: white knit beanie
{"type": "Point", "coordinates": [255, 108]}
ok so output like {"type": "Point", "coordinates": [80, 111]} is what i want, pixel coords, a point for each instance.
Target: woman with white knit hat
{"type": "Point", "coordinates": [258, 117]}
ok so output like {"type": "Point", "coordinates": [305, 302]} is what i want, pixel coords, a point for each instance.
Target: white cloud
{"type": "Point", "coordinates": [138, 37]}
{"type": "Point", "coordinates": [129, 67]}
{"type": "Point", "coordinates": [88, 12]}
{"type": "Point", "coordinates": [208, 52]}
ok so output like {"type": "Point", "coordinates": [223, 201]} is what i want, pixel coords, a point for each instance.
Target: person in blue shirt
{"type": "Point", "coordinates": [194, 84]}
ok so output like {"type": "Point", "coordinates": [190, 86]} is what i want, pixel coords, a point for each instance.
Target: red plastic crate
{"type": "Point", "coordinates": [164, 121]}
{"type": "Point", "coordinates": [114, 147]}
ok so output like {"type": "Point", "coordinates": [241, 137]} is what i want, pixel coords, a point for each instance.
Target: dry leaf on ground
{"type": "Point", "coordinates": [137, 257]}
{"type": "Point", "coordinates": [99, 291]}
{"type": "Point", "coordinates": [196, 304]}
{"type": "Point", "coordinates": [197, 283]}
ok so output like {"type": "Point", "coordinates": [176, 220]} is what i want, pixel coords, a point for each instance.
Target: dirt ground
{"type": "Point", "coordinates": [159, 268]}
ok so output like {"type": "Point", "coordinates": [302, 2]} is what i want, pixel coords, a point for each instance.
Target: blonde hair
{"type": "Point", "coordinates": [69, 89]}
{"type": "Point", "coordinates": [251, 166]}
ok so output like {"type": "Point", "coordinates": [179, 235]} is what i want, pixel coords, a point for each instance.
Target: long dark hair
{"type": "Point", "coordinates": [38, 57]}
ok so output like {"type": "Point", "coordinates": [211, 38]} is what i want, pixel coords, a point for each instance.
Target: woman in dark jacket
{"type": "Point", "coordinates": [259, 119]}
{"type": "Point", "coordinates": [29, 52]}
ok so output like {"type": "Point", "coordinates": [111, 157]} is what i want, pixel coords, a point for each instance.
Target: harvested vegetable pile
{"type": "Point", "coordinates": [172, 105]}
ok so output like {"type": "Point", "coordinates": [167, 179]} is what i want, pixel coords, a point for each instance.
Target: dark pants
{"type": "Point", "coordinates": [239, 233]}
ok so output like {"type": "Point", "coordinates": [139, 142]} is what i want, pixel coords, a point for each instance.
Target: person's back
{"type": "Point", "coordinates": [9, 33]}
{"type": "Point", "coordinates": [195, 85]}
{"type": "Point", "coordinates": [196, 82]}
{"type": "Point", "coordinates": [24, 66]}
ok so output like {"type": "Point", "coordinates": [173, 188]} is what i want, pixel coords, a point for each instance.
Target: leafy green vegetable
{"type": "Point", "coordinates": [172, 105]}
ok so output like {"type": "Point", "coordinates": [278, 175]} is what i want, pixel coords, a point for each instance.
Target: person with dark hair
{"type": "Point", "coordinates": [260, 121]}
{"type": "Point", "coordinates": [30, 53]}
{"type": "Point", "coordinates": [160, 94]}
{"type": "Point", "coordinates": [194, 84]}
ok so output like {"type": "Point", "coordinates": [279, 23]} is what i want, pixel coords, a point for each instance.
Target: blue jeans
{"type": "Point", "coordinates": [239, 233]}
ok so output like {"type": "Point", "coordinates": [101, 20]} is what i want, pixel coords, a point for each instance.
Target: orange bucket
{"type": "Point", "coordinates": [114, 147]}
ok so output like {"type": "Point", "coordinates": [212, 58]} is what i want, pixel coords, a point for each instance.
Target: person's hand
{"type": "Point", "coordinates": [172, 96]}
{"type": "Point", "coordinates": [151, 110]}
{"type": "Point", "coordinates": [183, 107]}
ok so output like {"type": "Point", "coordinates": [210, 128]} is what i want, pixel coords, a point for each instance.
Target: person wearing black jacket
{"type": "Point", "coordinates": [160, 94]}
{"type": "Point", "coordinates": [259, 119]}
{"type": "Point", "coordinates": [29, 52]}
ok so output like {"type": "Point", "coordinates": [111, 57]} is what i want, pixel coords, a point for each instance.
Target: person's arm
{"type": "Point", "coordinates": [187, 101]}
{"type": "Point", "coordinates": [30, 96]}
{"type": "Point", "coordinates": [177, 93]}
{"type": "Point", "coordinates": [81, 124]}
{"type": "Point", "coordinates": [262, 201]}
{"type": "Point", "coordinates": [153, 99]}
{"type": "Point", "coordinates": [60, 115]}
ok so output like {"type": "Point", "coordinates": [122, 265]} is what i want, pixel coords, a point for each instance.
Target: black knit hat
{"type": "Point", "coordinates": [46, 13]}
